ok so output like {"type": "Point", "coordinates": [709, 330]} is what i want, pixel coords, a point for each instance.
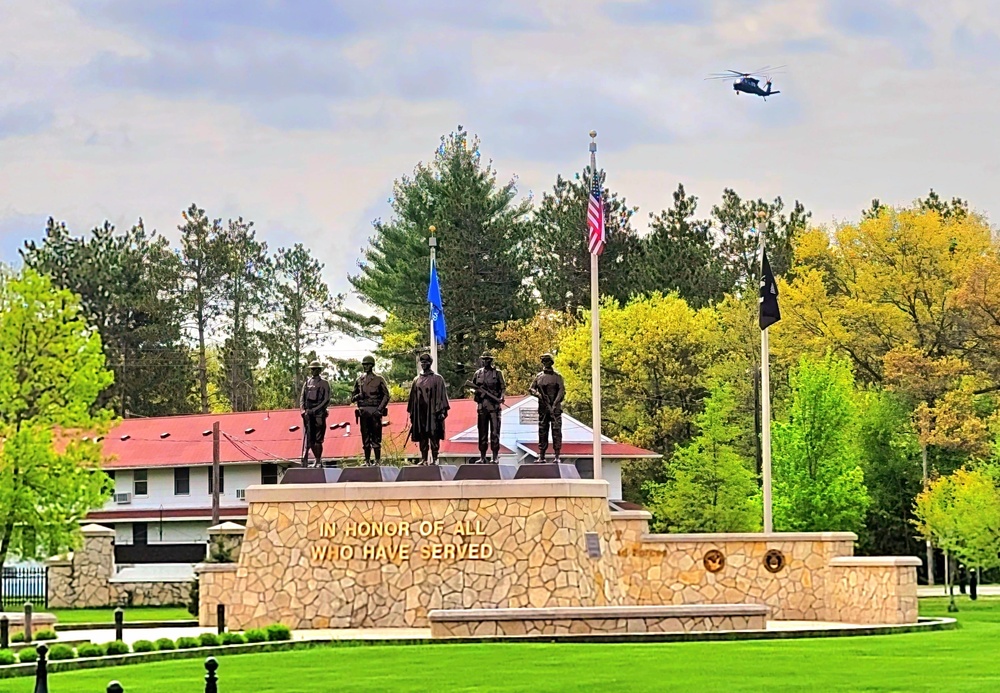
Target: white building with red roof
{"type": "Point", "coordinates": [162, 505]}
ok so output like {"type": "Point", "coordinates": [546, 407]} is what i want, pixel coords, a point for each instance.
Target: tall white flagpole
{"type": "Point", "coordinates": [432, 242]}
{"type": "Point", "coordinates": [595, 334]}
{"type": "Point", "coordinates": [765, 408]}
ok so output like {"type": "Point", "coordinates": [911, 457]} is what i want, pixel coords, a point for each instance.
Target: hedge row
{"type": "Point", "coordinates": [273, 633]}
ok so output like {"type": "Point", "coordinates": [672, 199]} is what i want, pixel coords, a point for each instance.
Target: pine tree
{"type": "Point", "coordinates": [679, 254]}
{"type": "Point", "coordinates": [481, 230]}
{"type": "Point", "coordinates": [130, 286]}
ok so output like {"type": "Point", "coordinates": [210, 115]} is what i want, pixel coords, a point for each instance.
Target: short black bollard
{"type": "Point", "coordinates": [42, 671]}
{"type": "Point", "coordinates": [211, 680]}
{"type": "Point", "coordinates": [115, 687]}
{"type": "Point", "coordinates": [119, 623]}
{"type": "Point", "coordinates": [27, 622]}
{"type": "Point", "coordinates": [4, 632]}
{"type": "Point", "coordinates": [220, 617]}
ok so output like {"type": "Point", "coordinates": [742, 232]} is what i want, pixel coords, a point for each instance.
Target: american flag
{"type": "Point", "coordinates": [595, 217]}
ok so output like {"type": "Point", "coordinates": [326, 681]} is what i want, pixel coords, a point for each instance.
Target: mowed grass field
{"type": "Point", "coordinates": [136, 613]}
{"type": "Point", "coordinates": [959, 660]}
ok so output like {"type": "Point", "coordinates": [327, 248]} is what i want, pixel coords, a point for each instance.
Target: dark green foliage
{"type": "Point", "coordinates": [7, 657]}
{"type": "Point", "coordinates": [481, 259]}
{"type": "Point", "coordinates": [116, 647]}
{"type": "Point", "coordinates": [256, 635]}
{"type": "Point", "coordinates": [129, 285]}
{"type": "Point", "coordinates": [46, 634]}
{"type": "Point", "coordinates": [17, 637]}
{"type": "Point", "coordinates": [734, 222]}
{"type": "Point", "coordinates": [278, 631]}
{"type": "Point", "coordinates": [61, 652]}
{"type": "Point", "coordinates": [89, 649]}
{"type": "Point", "coordinates": [232, 638]}
{"type": "Point", "coordinates": [165, 644]}
{"type": "Point", "coordinates": [28, 654]}
{"type": "Point", "coordinates": [560, 260]}
{"type": "Point", "coordinates": [186, 643]}
{"type": "Point", "coordinates": [890, 459]}
{"type": "Point", "coordinates": [208, 639]}
{"type": "Point", "coordinates": [143, 646]}
{"type": "Point", "coordinates": [679, 255]}
{"type": "Point", "coordinates": [194, 598]}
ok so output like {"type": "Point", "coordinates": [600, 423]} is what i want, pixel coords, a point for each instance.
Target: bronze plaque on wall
{"type": "Point", "coordinates": [714, 561]}
{"type": "Point", "coordinates": [593, 544]}
{"type": "Point", "coordinates": [774, 561]}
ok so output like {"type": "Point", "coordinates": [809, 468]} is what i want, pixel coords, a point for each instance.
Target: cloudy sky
{"type": "Point", "coordinates": [299, 115]}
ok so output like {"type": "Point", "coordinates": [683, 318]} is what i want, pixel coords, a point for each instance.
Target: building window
{"type": "Point", "coordinates": [140, 533]}
{"type": "Point", "coordinates": [268, 473]}
{"type": "Point", "coordinates": [182, 481]}
{"type": "Point", "coordinates": [140, 485]}
{"type": "Point", "coordinates": [222, 480]}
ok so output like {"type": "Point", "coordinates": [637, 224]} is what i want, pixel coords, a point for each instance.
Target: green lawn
{"type": "Point", "coordinates": [137, 613]}
{"type": "Point", "coordinates": [958, 660]}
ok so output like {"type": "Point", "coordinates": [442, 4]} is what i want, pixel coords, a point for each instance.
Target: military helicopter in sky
{"type": "Point", "coordinates": [749, 82]}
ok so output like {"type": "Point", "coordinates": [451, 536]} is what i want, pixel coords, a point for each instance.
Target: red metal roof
{"type": "Point", "coordinates": [616, 450]}
{"type": "Point", "coordinates": [189, 442]}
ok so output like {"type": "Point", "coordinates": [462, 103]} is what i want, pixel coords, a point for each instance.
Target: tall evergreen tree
{"type": "Point", "coordinates": [679, 254]}
{"type": "Point", "coordinates": [481, 229]}
{"type": "Point", "coordinates": [244, 287]}
{"type": "Point", "coordinates": [301, 319]}
{"type": "Point", "coordinates": [130, 285]}
{"type": "Point", "coordinates": [202, 267]}
{"type": "Point", "coordinates": [558, 243]}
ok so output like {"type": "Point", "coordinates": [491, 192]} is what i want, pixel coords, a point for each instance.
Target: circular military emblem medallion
{"type": "Point", "coordinates": [774, 561]}
{"type": "Point", "coordinates": [714, 561]}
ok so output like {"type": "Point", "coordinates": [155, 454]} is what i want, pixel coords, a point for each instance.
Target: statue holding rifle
{"type": "Point", "coordinates": [313, 402]}
{"type": "Point", "coordinates": [371, 396]}
{"type": "Point", "coordinates": [549, 388]}
{"type": "Point", "coordinates": [490, 388]}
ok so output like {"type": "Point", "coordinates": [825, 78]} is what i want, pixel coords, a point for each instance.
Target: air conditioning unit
{"type": "Point", "coordinates": [123, 498]}
{"type": "Point", "coordinates": [241, 494]}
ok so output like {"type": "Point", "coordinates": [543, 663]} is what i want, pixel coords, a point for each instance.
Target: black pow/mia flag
{"type": "Point", "coordinates": [769, 311]}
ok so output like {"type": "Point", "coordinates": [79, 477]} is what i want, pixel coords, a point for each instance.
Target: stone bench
{"type": "Point", "coordinates": [605, 620]}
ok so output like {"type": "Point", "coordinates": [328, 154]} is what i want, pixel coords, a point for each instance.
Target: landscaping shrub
{"type": "Point", "coordinates": [116, 647]}
{"type": "Point", "coordinates": [143, 646]}
{"type": "Point", "coordinates": [61, 652]}
{"type": "Point", "coordinates": [89, 649]}
{"type": "Point", "coordinates": [17, 637]}
{"type": "Point", "coordinates": [47, 634]}
{"type": "Point", "coordinates": [233, 639]}
{"type": "Point", "coordinates": [165, 644]}
{"type": "Point", "coordinates": [278, 631]}
{"type": "Point", "coordinates": [28, 654]}
{"type": "Point", "coordinates": [208, 639]}
{"type": "Point", "coordinates": [256, 635]}
{"type": "Point", "coordinates": [186, 643]}
{"type": "Point", "coordinates": [7, 657]}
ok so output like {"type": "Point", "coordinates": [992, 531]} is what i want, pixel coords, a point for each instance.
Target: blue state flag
{"type": "Point", "coordinates": [437, 310]}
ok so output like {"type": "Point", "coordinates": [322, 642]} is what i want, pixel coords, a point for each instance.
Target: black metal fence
{"type": "Point", "coordinates": [24, 583]}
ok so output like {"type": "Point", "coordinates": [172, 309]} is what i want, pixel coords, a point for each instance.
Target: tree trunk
{"type": "Point", "coordinates": [202, 360]}
{"type": "Point", "coordinates": [930, 549]}
{"type": "Point", "coordinates": [8, 530]}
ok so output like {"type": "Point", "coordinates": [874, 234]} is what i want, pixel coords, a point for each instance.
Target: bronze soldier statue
{"type": "Point", "coordinates": [314, 402]}
{"type": "Point", "coordinates": [490, 389]}
{"type": "Point", "coordinates": [549, 388]}
{"type": "Point", "coordinates": [371, 394]}
{"type": "Point", "coordinates": [428, 408]}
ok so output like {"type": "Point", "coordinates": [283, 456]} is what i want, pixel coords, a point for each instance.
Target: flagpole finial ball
{"type": "Point", "coordinates": [432, 228]}
{"type": "Point", "coordinates": [593, 133]}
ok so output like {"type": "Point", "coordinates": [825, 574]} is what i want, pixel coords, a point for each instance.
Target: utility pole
{"type": "Point", "coordinates": [215, 473]}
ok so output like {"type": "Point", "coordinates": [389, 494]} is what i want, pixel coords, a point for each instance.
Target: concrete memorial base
{"type": "Point", "coordinates": [385, 554]}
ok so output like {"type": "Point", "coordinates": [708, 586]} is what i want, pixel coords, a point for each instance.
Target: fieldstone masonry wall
{"type": "Point", "coordinates": [86, 578]}
{"type": "Point", "coordinates": [383, 555]}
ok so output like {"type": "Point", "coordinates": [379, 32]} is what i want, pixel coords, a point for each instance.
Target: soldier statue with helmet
{"type": "Point", "coordinates": [371, 396]}
{"type": "Point", "coordinates": [489, 388]}
{"type": "Point", "coordinates": [313, 402]}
